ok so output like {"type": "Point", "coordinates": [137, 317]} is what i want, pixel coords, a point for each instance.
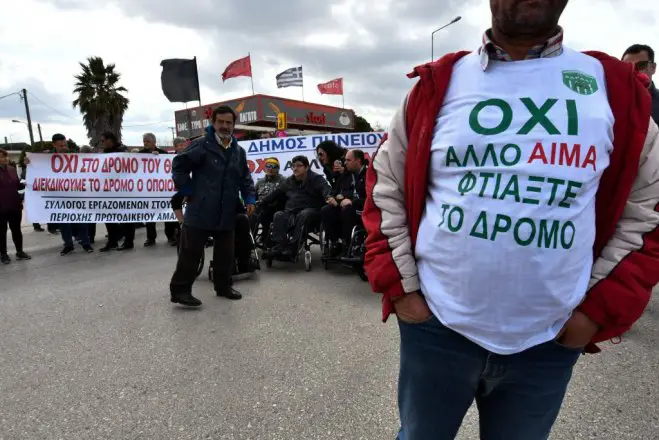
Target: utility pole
{"type": "Point", "coordinates": [173, 134]}
{"type": "Point", "coordinates": [29, 119]}
{"type": "Point", "coordinates": [6, 140]}
{"type": "Point", "coordinates": [40, 136]}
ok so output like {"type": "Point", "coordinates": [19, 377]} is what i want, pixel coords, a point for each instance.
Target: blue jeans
{"type": "Point", "coordinates": [66, 229]}
{"type": "Point", "coordinates": [441, 373]}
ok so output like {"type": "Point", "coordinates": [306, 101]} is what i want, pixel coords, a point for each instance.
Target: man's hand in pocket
{"type": "Point", "coordinates": [578, 331]}
{"type": "Point", "coordinates": [412, 308]}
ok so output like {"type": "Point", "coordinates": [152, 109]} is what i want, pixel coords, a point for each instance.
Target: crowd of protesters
{"type": "Point", "coordinates": [279, 200]}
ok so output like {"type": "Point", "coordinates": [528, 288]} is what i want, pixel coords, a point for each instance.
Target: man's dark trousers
{"type": "Point", "coordinates": [192, 245]}
{"type": "Point", "coordinates": [339, 220]}
{"type": "Point", "coordinates": [115, 232]}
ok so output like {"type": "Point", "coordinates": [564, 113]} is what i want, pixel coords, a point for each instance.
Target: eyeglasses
{"type": "Point", "coordinates": [271, 166]}
{"type": "Point", "coordinates": [642, 65]}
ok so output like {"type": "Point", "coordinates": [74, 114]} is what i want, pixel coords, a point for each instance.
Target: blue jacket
{"type": "Point", "coordinates": [213, 180]}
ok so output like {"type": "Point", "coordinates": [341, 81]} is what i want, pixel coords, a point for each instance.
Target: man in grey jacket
{"type": "Point", "coordinates": [212, 173]}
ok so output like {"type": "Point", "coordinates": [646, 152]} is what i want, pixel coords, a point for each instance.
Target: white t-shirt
{"type": "Point", "coordinates": [505, 243]}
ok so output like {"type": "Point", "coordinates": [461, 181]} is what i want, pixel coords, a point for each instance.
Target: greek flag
{"type": "Point", "coordinates": [290, 78]}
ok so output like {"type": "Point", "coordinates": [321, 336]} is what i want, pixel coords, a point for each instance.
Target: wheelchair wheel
{"type": "Point", "coordinates": [255, 260]}
{"type": "Point", "coordinates": [323, 248]}
{"type": "Point", "coordinates": [307, 261]}
{"type": "Point", "coordinates": [362, 273]}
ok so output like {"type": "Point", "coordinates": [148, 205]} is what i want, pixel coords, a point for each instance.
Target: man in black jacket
{"type": "Point", "coordinates": [350, 193]}
{"type": "Point", "coordinates": [212, 173]}
{"type": "Point", "coordinates": [305, 193]}
{"type": "Point", "coordinates": [149, 141]}
{"type": "Point", "coordinates": [111, 144]}
{"type": "Point", "coordinates": [642, 57]}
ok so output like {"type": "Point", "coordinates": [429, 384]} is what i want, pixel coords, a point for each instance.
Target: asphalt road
{"type": "Point", "coordinates": [92, 348]}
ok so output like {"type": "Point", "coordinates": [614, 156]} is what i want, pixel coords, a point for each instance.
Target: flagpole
{"type": "Point", "coordinates": [201, 114]}
{"type": "Point", "coordinates": [251, 75]}
{"type": "Point", "coordinates": [302, 71]}
{"type": "Point", "coordinates": [187, 112]}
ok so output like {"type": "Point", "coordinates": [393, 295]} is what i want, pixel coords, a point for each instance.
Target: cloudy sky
{"type": "Point", "coordinates": [371, 43]}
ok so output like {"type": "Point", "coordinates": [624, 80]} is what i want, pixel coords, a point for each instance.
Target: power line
{"type": "Point", "coordinates": [11, 94]}
{"type": "Point", "coordinates": [51, 108]}
{"type": "Point", "coordinates": [146, 124]}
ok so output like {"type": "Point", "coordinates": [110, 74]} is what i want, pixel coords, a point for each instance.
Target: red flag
{"type": "Point", "coordinates": [241, 67]}
{"type": "Point", "coordinates": [334, 87]}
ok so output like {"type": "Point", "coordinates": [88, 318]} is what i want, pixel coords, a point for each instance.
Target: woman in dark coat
{"type": "Point", "coordinates": [332, 158]}
{"type": "Point", "coordinates": [11, 209]}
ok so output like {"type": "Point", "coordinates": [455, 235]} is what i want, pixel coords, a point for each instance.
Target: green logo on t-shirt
{"type": "Point", "coordinates": [580, 82]}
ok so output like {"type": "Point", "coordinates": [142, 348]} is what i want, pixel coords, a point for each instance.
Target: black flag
{"type": "Point", "coordinates": [179, 79]}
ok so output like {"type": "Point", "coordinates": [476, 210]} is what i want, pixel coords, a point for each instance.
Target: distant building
{"type": "Point", "coordinates": [259, 113]}
{"type": "Point", "coordinates": [15, 146]}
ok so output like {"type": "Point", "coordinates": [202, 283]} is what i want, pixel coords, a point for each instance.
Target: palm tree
{"type": "Point", "coordinates": [99, 98]}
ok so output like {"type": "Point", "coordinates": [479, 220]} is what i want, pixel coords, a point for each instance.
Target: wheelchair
{"type": "Point", "coordinates": [254, 260]}
{"type": "Point", "coordinates": [354, 257]}
{"type": "Point", "coordinates": [311, 238]}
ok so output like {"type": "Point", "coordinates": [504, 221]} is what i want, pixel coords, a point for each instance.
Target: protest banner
{"type": "Point", "coordinates": [95, 188]}
{"type": "Point", "coordinates": [287, 148]}
{"type": "Point", "coordinates": [132, 188]}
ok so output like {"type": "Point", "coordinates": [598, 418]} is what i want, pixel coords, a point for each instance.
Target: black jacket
{"type": "Point", "coordinates": [313, 192]}
{"type": "Point", "coordinates": [147, 151]}
{"type": "Point", "coordinates": [352, 186]}
{"type": "Point", "coordinates": [213, 179]}
{"type": "Point", "coordinates": [655, 103]}
{"type": "Point", "coordinates": [116, 149]}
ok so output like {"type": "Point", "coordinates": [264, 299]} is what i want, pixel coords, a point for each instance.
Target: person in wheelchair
{"type": "Point", "coordinates": [305, 193]}
{"type": "Point", "coordinates": [264, 187]}
{"type": "Point", "coordinates": [350, 194]}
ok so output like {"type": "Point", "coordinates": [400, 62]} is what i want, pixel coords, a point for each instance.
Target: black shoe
{"type": "Point", "coordinates": [172, 242]}
{"type": "Point", "coordinates": [126, 247]}
{"type": "Point", "coordinates": [22, 256]}
{"type": "Point", "coordinates": [67, 250]}
{"type": "Point", "coordinates": [108, 247]}
{"type": "Point", "coordinates": [230, 293]}
{"type": "Point", "coordinates": [4, 259]}
{"type": "Point", "coordinates": [149, 243]}
{"type": "Point", "coordinates": [88, 249]}
{"type": "Point", "coordinates": [186, 299]}
{"type": "Point", "coordinates": [38, 229]}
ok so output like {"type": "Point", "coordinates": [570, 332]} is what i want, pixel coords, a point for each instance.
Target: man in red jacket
{"type": "Point", "coordinates": [531, 235]}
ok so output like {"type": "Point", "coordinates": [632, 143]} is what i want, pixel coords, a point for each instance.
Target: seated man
{"type": "Point", "coordinates": [350, 193]}
{"type": "Point", "coordinates": [264, 186]}
{"type": "Point", "coordinates": [305, 193]}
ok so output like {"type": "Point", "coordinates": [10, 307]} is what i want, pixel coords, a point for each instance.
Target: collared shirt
{"type": "Point", "coordinates": [490, 51]}
{"type": "Point", "coordinates": [221, 142]}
